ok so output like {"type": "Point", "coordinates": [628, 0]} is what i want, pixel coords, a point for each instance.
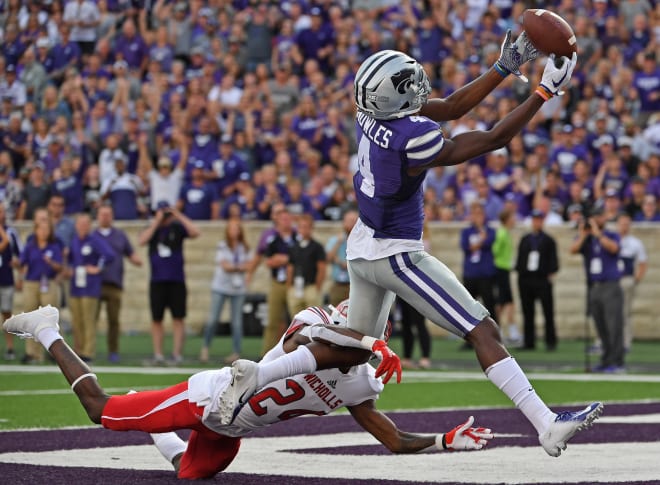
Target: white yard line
{"type": "Point", "coordinates": [408, 376]}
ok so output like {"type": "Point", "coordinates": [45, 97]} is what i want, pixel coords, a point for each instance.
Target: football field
{"type": "Point", "coordinates": [46, 438]}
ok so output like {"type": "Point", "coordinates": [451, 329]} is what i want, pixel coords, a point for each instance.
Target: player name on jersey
{"type": "Point", "coordinates": [323, 391]}
{"type": "Point", "coordinates": [374, 130]}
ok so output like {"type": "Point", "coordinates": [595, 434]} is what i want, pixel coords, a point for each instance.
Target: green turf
{"type": "Point", "coordinates": [22, 405]}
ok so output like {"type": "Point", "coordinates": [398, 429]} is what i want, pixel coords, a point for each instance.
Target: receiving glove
{"type": "Point", "coordinates": [389, 361]}
{"type": "Point", "coordinates": [556, 77]}
{"type": "Point", "coordinates": [515, 54]}
{"type": "Point", "coordinates": [464, 437]}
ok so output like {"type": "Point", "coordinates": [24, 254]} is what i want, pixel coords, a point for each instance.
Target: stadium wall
{"type": "Point", "coordinates": [570, 287]}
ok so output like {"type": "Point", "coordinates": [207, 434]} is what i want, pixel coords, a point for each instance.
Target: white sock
{"type": "Point", "coordinates": [48, 336]}
{"type": "Point", "coordinates": [512, 381]}
{"type": "Point", "coordinates": [169, 444]}
{"type": "Point", "coordinates": [300, 361]}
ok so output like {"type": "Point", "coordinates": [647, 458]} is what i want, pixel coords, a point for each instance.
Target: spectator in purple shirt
{"type": "Point", "coordinates": [167, 289]}
{"type": "Point", "coordinates": [65, 54]}
{"type": "Point", "coordinates": [316, 42]}
{"type": "Point", "coordinates": [112, 276]}
{"type": "Point", "coordinates": [40, 262]}
{"type": "Point", "coordinates": [228, 168]}
{"type": "Point", "coordinates": [68, 182]}
{"type": "Point", "coordinates": [131, 47]}
{"type": "Point", "coordinates": [647, 82]}
{"type": "Point", "coordinates": [198, 199]}
{"type": "Point", "coordinates": [88, 254]}
{"type": "Point", "coordinates": [12, 47]}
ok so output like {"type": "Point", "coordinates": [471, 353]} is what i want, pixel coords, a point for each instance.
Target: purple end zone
{"type": "Point", "coordinates": [500, 420]}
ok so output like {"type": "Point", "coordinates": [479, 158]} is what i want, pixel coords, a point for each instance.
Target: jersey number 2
{"type": "Point", "coordinates": [259, 406]}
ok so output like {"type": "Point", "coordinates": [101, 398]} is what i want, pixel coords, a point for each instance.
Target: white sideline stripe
{"type": "Point", "coordinates": [581, 462]}
{"type": "Point", "coordinates": [408, 376]}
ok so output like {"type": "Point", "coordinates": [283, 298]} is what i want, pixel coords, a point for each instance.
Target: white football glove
{"type": "Point", "coordinates": [464, 437]}
{"type": "Point", "coordinates": [555, 78]}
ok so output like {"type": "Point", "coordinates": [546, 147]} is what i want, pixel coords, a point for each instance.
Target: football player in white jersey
{"type": "Point", "coordinates": [193, 404]}
{"type": "Point", "coordinates": [399, 139]}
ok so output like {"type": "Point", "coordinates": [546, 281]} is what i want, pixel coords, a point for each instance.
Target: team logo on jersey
{"type": "Point", "coordinates": [332, 383]}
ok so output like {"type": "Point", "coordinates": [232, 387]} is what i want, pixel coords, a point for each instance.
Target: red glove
{"type": "Point", "coordinates": [389, 361]}
{"type": "Point", "coordinates": [464, 437]}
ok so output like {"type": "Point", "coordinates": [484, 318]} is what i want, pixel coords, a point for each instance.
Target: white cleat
{"type": "Point", "coordinates": [239, 391]}
{"type": "Point", "coordinates": [29, 324]}
{"type": "Point", "coordinates": [565, 425]}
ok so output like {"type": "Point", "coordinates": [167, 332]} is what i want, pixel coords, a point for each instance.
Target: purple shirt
{"type": "Point", "coordinates": [116, 239]}
{"type": "Point", "coordinates": [33, 258]}
{"type": "Point", "coordinates": [91, 250]}
{"type": "Point", "coordinates": [133, 51]}
{"type": "Point", "coordinates": [601, 265]}
{"type": "Point", "coordinates": [166, 253]}
{"type": "Point", "coordinates": [478, 263]}
{"type": "Point", "coordinates": [64, 54]}
{"type": "Point", "coordinates": [197, 200]}
{"type": "Point", "coordinates": [646, 85]}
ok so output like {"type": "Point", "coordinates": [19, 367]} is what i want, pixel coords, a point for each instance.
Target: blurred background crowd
{"type": "Point", "coordinates": [223, 108]}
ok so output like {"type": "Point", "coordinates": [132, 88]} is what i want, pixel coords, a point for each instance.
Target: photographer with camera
{"type": "Point", "coordinates": [600, 249]}
{"type": "Point", "coordinates": [167, 287]}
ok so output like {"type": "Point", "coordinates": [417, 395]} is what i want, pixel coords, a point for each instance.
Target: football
{"type": "Point", "coordinates": [549, 33]}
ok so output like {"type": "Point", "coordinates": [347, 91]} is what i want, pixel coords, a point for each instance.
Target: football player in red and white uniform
{"type": "Point", "coordinates": [193, 404]}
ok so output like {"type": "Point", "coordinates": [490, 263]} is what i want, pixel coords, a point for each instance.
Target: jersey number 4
{"type": "Point", "coordinates": [259, 402]}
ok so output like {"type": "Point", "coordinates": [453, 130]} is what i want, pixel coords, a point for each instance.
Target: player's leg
{"type": "Point", "coordinates": [206, 455]}
{"type": "Point", "coordinates": [435, 291]}
{"type": "Point", "coordinates": [42, 325]}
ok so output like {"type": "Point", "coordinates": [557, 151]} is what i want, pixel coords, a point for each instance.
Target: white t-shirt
{"type": "Point", "coordinates": [165, 188]}
{"type": "Point", "coordinates": [85, 11]}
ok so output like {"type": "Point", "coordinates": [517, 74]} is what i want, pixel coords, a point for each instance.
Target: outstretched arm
{"type": "Point", "coordinates": [463, 437]}
{"type": "Point", "coordinates": [474, 143]}
{"type": "Point", "coordinates": [512, 56]}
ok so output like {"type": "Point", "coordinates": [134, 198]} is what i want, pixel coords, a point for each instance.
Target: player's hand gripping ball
{"type": "Point", "coordinates": [549, 33]}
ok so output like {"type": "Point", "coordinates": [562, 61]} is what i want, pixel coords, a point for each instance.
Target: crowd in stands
{"type": "Point", "coordinates": [225, 108]}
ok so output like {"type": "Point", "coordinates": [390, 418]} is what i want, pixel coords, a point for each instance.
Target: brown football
{"type": "Point", "coordinates": [549, 33]}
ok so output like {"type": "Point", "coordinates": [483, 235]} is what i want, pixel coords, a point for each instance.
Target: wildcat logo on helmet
{"type": "Point", "coordinates": [403, 80]}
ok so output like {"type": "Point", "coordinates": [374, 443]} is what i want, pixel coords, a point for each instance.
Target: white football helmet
{"type": "Point", "coordinates": [390, 84]}
{"type": "Point", "coordinates": [339, 314]}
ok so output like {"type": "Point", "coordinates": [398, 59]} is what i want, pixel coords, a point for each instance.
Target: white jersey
{"type": "Point", "coordinates": [316, 394]}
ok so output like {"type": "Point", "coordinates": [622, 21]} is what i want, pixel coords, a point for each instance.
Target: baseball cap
{"type": "Point", "coordinates": [567, 128]}
{"type": "Point", "coordinates": [538, 213]}
{"type": "Point", "coordinates": [245, 176]}
{"type": "Point", "coordinates": [611, 193]}
{"type": "Point", "coordinates": [198, 164]}
{"type": "Point", "coordinates": [10, 68]}
{"type": "Point", "coordinates": [315, 11]}
{"type": "Point", "coordinates": [120, 64]}
{"type": "Point", "coordinates": [226, 138]}
{"type": "Point", "coordinates": [604, 140]}
{"type": "Point", "coordinates": [40, 165]}
{"type": "Point", "coordinates": [164, 162]}
{"type": "Point", "coordinates": [501, 152]}
{"type": "Point", "coordinates": [474, 59]}
{"type": "Point", "coordinates": [162, 204]}
{"type": "Point", "coordinates": [624, 141]}
{"type": "Point", "coordinates": [43, 42]}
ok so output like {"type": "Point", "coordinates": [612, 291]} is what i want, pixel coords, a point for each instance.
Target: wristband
{"type": "Point", "coordinates": [500, 69]}
{"type": "Point", "coordinates": [543, 92]}
{"type": "Point", "coordinates": [441, 442]}
{"type": "Point", "coordinates": [84, 376]}
{"type": "Point", "coordinates": [367, 342]}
